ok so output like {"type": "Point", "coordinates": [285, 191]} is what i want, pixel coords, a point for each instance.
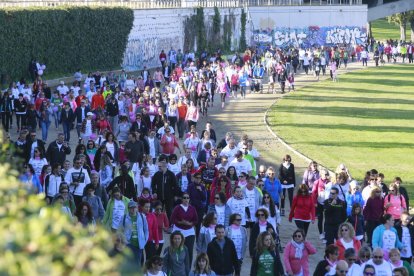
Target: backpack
{"type": "Point", "coordinates": [142, 217]}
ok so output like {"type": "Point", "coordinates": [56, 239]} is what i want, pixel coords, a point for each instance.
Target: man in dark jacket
{"type": "Point", "coordinates": [125, 183]}
{"type": "Point", "coordinates": [80, 115]}
{"type": "Point", "coordinates": [57, 151]}
{"type": "Point", "coordinates": [134, 149]}
{"type": "Point", "coordinates": [222, 254]}
{"type": "Point", "coordinates": [198, 198]}
{"type": "Point", "coordinates": [335, 210]}
{"type": "Point", "coordinates": [164, 186]}
{"type": "Point", "coordinates": [32, 143]}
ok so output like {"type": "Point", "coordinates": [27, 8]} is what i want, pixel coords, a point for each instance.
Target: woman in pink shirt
{"type": "Point", "coordinates": [296, 254]}
{"type": "Point", "coordinates": [394, 202]}
{"type": "Point", "coordinates": [168, 143]}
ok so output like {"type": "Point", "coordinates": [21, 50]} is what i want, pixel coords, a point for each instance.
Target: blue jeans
{"type": "Point", "coordinates": [56, 116]}
{"type": "Point", "coordinates": [137, 252]}
{"type": "Point", "coordinates": [45, 127]}
{"type": "Point", "coordinates": [66, 130]}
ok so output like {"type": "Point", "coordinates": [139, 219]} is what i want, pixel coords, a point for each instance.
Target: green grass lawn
{"type": "Point", "coordinates": [366, 121]}
{"type": "Point", "coordinates": [382, 30]}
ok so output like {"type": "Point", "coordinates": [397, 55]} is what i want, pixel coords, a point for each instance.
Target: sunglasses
{"type": "Point", "coordinates": [241, 176]}
{"type": "Point", "coordinates": [222, 172]}
{"type": "Point", "coordinates": [238, 219]}
{"type": "Point", "coordinates": [343, 271]}
{"type": "Point", "coordinates": [333, 193]}
{"type": "Point", "coordinates": [266, 197]}
{"type": "Point", "coordinates": [186, 197]}
{"type": "Point", "coordinates": [369, 273]}
{"type": "Point", "coordinates": [260, 215]}
{"type": "Point", "coordinates": [297, 236]}
{"type": "Point", "coordinates": [366, 256]}
{"type": "Point", "coordinates": [217, 198]}
{"type": "Point", "coordinates": [378, 257]}
{"type": "Point", "coordinates": [344, 230]}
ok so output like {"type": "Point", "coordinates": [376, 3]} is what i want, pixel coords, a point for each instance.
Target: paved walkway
{"type": "Point", "coordinates": [246, 116]}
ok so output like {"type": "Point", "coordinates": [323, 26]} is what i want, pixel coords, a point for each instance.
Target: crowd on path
{"type": "Point", "coordinates": [145, 170]}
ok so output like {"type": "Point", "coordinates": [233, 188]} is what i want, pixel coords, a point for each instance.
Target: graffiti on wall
{"type": "Point", "coordinates": [148, 37]}
{"type": "Point", "coordinates": [310, 36]}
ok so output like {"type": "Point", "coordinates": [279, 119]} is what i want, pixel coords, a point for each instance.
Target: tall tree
{"type": "Point", "coordinates": [401, 20]}
{"type": "Point", "coordinates": [411, 20]}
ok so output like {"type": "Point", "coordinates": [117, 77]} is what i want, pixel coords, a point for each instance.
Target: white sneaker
{"type": "Point", "coordinates": [322, 236]}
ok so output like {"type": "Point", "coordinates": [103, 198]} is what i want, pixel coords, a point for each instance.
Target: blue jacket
{"type": "Point", "coordinates": [243, 79]}
{"type": "Point", "coordinates": [258, 72]}
{"type": "Point", "coordinates": [142, 228]}
{"type": "Point", "coordinates": [377, 237]}
{"type": "Point", "coordinates": [351, 200]}
{"type": "Point", "coordinates": [274, 189]}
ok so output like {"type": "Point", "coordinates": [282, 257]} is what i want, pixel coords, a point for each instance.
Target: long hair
{"type": "Point", "coordinates": [89, 214]}
{"type": "Point", "coordinates": [208, 219]}
{"type": "Point", "coordinates": [260, 247]}
{"type": "Point", "coordinates": [173, 234]}
{"type": "Point", "coordinates": [197, 269]}
{"type": "Point", "coordinates": [272, 205]}
{"type": "Point", "coordinates": [349, 227]}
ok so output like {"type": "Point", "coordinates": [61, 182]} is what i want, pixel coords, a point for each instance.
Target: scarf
{"type": "Point", "coordinates": [298, 249]}
{"type": "Point", "coordinates": [234, 226]}
{"type": "Point", "coordinates": [286, 165]}
{"type": "Point", "coordinates": [184, 207]}
{"type": "Point", "coordinates": [262, 223]}
{"type": "Point", "coordinates": [331, 264]}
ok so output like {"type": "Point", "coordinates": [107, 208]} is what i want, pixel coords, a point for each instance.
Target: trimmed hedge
{"type": "Point", "coordinates": [64, 38]}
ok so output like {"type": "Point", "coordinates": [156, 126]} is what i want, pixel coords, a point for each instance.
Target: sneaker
{"type": "Point", "coordinates": [322, 236]}
{"type": "Point", "coordinates": [282, 213]}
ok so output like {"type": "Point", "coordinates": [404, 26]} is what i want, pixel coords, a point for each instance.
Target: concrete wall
{"type": "Point", "coordinates": [156, 30]}
{"type": "Point", "coordinates": [308, 25]}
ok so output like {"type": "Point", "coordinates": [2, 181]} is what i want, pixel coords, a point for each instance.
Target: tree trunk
{"type": "Point", "coordinates": [412, 29]}
{"type": "Point", "coordinates": [403, 28]}
{"type": "Point", "coordinates": [369, 31]}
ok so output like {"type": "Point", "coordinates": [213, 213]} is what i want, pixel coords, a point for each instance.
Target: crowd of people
{"type": "Point", "coordinates": [145, 170]}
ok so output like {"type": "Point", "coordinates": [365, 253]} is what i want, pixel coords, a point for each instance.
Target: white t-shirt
{"type": "Point", "coordinates": [354, 270]}
{"type": "Point", "coordinates": [38, 165]}
{"type": "Point", "coordinates": [75, 175]}
{"type": "Point", "coordinates": [192, 143]}
{"type": "Point", "coordinates": [383, 269]}
{"type": "Point", "coordinates": [406, 252]}
{"type": "Point", "coordinates": [242, 166]}
{"type": "Point", "coordinates": [117, 213]}
{"type": "Point", "coordinates": [220, 211]}
{"type": "Point", "coordinates": [227, 151]}
{"type": "Point", "coordinates": [151, 147]}
{"type": "Point", "coordinates": [250, 197]}
{"type": "Point", "coordinates": [237, 238]}
{"type": "Point", "coordinates": [175, 168]}
{"type": "Point", "coordinates": [184, 183]}
{"type": "Point", "coordinates": [238, 206]}
{"type": "Point", "coordinates": [388, 240]}
{"type": "Point", "coordinates": [160, 273]}
{"type": "Point", "coordinates": [111, 148]}
{"type": "Point", "coordinates": [347, 244]}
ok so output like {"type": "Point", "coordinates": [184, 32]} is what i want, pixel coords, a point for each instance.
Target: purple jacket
{"type": "Point", "coordinates": [198, 198]}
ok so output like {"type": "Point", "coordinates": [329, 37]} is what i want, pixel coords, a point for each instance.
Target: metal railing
{"type": "Point", "coordinates": [171, 4]}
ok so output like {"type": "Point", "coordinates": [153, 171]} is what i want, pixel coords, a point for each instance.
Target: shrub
{"type": "Point", "coordinates": [64, 38]}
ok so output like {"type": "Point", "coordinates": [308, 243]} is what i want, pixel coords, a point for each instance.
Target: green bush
{"type": "Point", "coordinates": [64, 38]}
{"type": "Point", "coordinates": [40, 240]}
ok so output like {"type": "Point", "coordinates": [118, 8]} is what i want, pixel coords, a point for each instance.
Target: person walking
{"type": "Point", "coordinates": [266, 261]}
{"type": "Point", "coordinates": [222, 254]}
{"type": "Point", "coordinates": [296, 254]}
{"type": "Point", "coordinates": [303, 209]}
{"type": "Point", "coordinates": [176, 257]}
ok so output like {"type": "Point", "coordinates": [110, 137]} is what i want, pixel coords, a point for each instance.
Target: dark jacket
{"type": "Point", "coordinates": [142, 127]}
{"type": "Point", "coordinates": [335, 212]}
{"type": "Point", "coordinates": [320, 269]}
{"type": "Point", "coordinates": [126, 184]}
{"type": "Point", "coordinates": [398, 227]}
{"type": "Point", "coordinates": [358, 223]}
{"type": "Point", "coordinates": [212, 134]}
{"type": "Point", "coordinates": [179, 184]}
{"type": "Point", "coordinates": [404, 193]}
{"type": "Point", "coordinates": [116, 150]}
{"type": "Point", "coordinates": [40, 145]}
{"type": "Point", "coordinates": [287, 174]}
{"type": "Point", "coordinates": [78, 113]}
{"type": "Point", "coordinates": [254, 233]}
{"type": "Point", "coordinates": [55, 155]}
{"type": "Point", "coordinates": [135, 151]}
{"type": "Point", "coordinates": [164, 185]}
{"type": "Point", "coordinates": [277, 264]}
{"type": "Point", "coordinates": [197, 198]}
{"type": "Point", "coordinates": [112, 108]}
{"type": "Point", "coordinates": [223, 262]}
{"type": "Point", "coordinates": [67, 116]}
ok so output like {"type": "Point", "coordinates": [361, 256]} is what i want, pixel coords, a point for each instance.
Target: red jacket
{"type": "Point", "coordinates": [152, 228]}
{"type": "Point", "coordinates": [215, 189]}
{"type": "Point", "coordinates": [162, 223]}
{"type": "Point", "coordinates": [341, 251]}
{"type": "Point", "coordinates": [303, 208]}
{"type": "Point", "coordinates": [97, 101]}
{"type": "Point", "coordinates": [168, 147]}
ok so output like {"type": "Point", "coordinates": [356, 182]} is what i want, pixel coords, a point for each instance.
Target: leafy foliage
{"type": "Point", "coordinates": [243, 20]}
{"type": "Point", "coordinates": [401, 20]}
{"type": "Point", "coordinates": [201, 30]}
{"type": "Point", "coordinates": [63, 38]}
{"type": "Point", "coordinates": [40, 240]}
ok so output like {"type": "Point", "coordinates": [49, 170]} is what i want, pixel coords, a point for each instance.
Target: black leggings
{"type": "Point", "coordinates": [189, 243]}
{"type": "Point", "coordinates": [223, 97]}
{"type": "Point", "coordinates": [304, 225]}
{"type": "Point", "coordinates": [371, 225]}
{"type": "Point", "coordinates": [319, 213]}
{"type": "Point", "coordinates": [290, 195]}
